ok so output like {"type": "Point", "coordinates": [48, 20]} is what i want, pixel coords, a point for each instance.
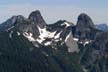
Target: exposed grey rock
{"type": "Point", "coordinates": [101, 41]}
{"type": "Point", "coordinates": [37, 19]}
{"type": "Point", "coordinates": [10, 22]}
{"type": "Point", "coordinates": [72, 45]}
{"type": "Point", "coordinates": [84, 21]}
{"type": "Point", "coordinates": [85, 28]}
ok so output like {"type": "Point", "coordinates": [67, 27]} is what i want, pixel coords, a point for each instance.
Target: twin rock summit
{"type": "Point", "coordinates": [32, 45]}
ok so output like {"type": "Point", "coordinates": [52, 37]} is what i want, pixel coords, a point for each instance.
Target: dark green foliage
{"type": "Point", "coordinates": [17, 54]}
{"type": "Point", "coordinates": [93, 60]}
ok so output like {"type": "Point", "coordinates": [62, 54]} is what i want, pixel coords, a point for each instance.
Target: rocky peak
{"type": "Point", "coordinates": [60, 22]}
{"type": "Point", "coordinates": [36, 17]}
{"type": "Point", "coordinates": [84, 21]}
{"type": "Point", "coordinates": [10, 23]}
{"type": "Point", "coordinates": [20, 18]}
{"type": "Point", "coordinates": [84, 27]}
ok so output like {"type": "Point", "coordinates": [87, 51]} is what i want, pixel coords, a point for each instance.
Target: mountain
{"type": "Point", "coordinates": [93, 52]}
{"type": "Point", "coordinates": [29, 45]}
{"type": "Point", "coordinates": [103, 27]}
{"type": "Point", "coordinates": [85, 29]}
{"type": "Point", "coordinates": [36, 18]}
{"type": "Point", "coordinates": [10, 23]}
{"type": "Point", "coordinates": [32, 45]}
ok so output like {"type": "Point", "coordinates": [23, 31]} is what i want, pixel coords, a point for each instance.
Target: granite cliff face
{"type": "Point", "coordinates": [84, 27]}
{"type": "Point", "coordinates": [32, 45]}
{"type": "Point", "coordinates": [36, 18]}
{"type": "Point", "coordinates": [94, 48]}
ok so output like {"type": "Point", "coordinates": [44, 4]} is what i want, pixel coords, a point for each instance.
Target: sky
{"type": "Point", "coordinates": [54, 10]}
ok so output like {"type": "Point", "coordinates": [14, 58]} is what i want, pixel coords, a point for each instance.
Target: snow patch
{"type": "Point", "coordinates": [75, 39]}
{"type": "Point", "coordinates": [63, 24]}
{"type": "Point", "coordinates": [87, 42]}
{"type": "Point", "coordinates": [56, 40]}
{"type": "Point", "coordinates": [36, 45]}
{"type": "Point", "coordinates": [57, 36]}
{"type": "Point", "coordinates": [81, 42]}
{"type": "Point", "coordinates": [29, 36]}
{"type": "Point", "coordinates": [85, 70]}
{"type": "Point", "coordinates": [62, 43]}
{"type": "Point", "coordinates": [44, 34]}
{"type": "Point", "coordinates": [10, 34]}
{"type": "Point", "coordinates": [39, 40]}
{"type": "Point", "coordinates": [67, 37]}
{"type": "Point", "coordinates": [60, 39]}
{"type": "Point", "coordinates": [18, 34]}
{"type": "Point", "coordinates": [67, 24]}
{"type": "Point", "coordinates": [47, 43]}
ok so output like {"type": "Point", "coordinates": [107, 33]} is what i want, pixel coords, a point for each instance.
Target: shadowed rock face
{"type": "Point", "coordinates": [85, 27]}
{"type": "Point", "coordinates": [11, 22]}
{"type": "Point", "coordinates": [84, 21]}
{"type": "Point", "coordinates": [101, 42]}
{"type": "Point", "coordinates": [93, 54]}
{"type": "Point", "coordinates": [25, 25]}
{"type": "Point", "coordinates": [37, 19]}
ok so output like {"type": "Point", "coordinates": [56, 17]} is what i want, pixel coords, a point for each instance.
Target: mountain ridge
{"type": "Point", "coordinates": [31, 44]}
{"type": "Point", "coordinates": [103, 27]}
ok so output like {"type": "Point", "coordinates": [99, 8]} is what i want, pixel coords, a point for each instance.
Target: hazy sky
{"type": "Point", "coordinates": [53, 10]}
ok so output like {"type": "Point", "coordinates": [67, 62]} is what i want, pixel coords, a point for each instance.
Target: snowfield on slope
{"type": "Point", "coordinates": [44, 34]}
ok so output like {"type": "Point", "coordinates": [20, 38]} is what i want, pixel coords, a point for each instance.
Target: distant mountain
{"type": "Point", "coordinates": [32, 45]}
{"type": "Point", "coordinates": [103, 27]}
